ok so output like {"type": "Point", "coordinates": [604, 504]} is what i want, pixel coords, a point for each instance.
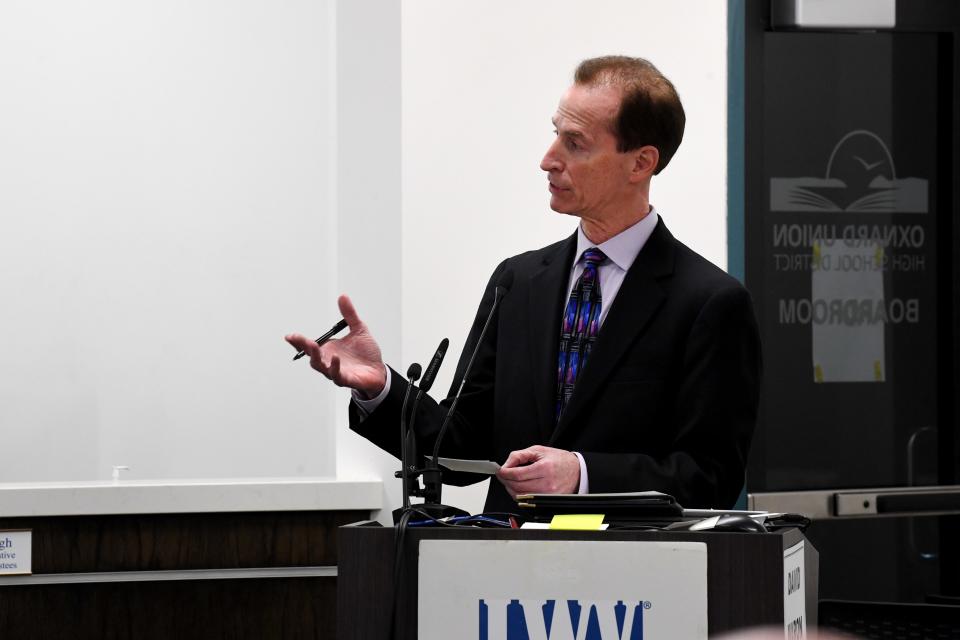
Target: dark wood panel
{"type": "Point", "coordinates": [368, 559]}
{"type": "Point", "coordinates": [744, 574]}
{"type": "Point", "coordinates": [294, 608]}
{"type": "Point", "coordinates": [149, 542]}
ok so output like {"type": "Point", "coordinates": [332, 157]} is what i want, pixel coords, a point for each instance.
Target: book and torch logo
{"type": "Point", "coordinates": [860, 177]}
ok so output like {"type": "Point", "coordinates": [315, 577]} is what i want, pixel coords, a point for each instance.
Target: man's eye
{"type": "Point", "coordinates": [572, 145]}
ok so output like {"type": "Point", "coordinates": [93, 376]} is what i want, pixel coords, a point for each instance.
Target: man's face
{"type": "Point", "coordinates": [587, 176]}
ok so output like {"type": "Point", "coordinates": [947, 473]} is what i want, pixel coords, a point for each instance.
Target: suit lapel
{"type": "Point", "coordinates": [548, 288]}
{"type": "Point", "coordinates": [637, 302]}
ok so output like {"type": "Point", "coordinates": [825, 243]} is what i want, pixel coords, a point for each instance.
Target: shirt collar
{"type": "Point", "coordinates": [623, 248]}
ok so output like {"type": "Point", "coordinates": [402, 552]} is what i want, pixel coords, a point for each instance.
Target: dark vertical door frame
{"type": "Point", "coordinates": [747, 22]}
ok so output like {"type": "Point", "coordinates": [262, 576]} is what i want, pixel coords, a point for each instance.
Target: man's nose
{"type": "Point", "coordinates": [550, 161]}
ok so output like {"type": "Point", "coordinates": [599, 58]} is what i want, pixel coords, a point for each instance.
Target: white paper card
{"type": "Point", "coordinates": [794, 593]}
{"type": "Point", "coordinates": [562, 589]}
{"type": "Point", "coordinates": [469, 466]}
{"type": "Point", "coordinates": [16, 552]}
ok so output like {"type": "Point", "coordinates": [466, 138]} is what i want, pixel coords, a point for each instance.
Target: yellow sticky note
{"type": "Point", "coordinates": [577, 522]}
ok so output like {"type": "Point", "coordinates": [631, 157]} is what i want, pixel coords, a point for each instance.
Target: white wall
{"type": "Point", "coordinates": [481, 81]}
{"type": "Point", "coordinates": [164, 182]}
{"type": "Point", "coordinates": [368, 204]}
{"type": "Point", "coordinates": [181, 183]}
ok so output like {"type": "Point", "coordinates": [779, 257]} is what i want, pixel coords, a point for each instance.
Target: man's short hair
{"type": "Point", "coordinates": [650, 109]}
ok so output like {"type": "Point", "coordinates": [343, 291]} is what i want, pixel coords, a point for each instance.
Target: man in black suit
{"type": "Point", "coordinates": [620, 360]}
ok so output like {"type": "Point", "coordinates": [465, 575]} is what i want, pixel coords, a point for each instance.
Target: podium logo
{"type": "Point", "coordinates": [561, 620]}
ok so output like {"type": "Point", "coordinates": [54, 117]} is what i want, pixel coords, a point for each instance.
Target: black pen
{"type": "Point", "coordinates": [337, 328]}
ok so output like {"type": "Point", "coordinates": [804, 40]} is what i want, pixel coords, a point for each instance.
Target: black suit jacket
{"type": "Point", "coordinates": [667, 400]}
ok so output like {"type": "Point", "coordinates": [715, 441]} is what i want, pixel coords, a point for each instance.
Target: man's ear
{"type": "Point", "coordinates": [645, 160]}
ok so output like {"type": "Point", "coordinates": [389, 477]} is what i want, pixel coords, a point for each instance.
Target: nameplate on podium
{"type": "Point", "coordinates": [16, 552]}
{"type": "Point", "coordinates": [557, 589]}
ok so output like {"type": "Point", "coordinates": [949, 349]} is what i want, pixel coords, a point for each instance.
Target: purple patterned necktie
{"type": "Point", "coordinates": [580, 326]}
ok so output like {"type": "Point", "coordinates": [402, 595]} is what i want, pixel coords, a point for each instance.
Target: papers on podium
{"type": "Point", "coordinates": [641, 506]}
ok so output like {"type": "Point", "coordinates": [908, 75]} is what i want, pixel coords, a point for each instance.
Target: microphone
{"type": "Point", "coordinates": [413, 374]}
{"type": "Point", "coordinates": [434, 366]}
{"type": "Point", "coordinates": [411, 435]}
{"type": "Point", "coordinates": [431, 476]}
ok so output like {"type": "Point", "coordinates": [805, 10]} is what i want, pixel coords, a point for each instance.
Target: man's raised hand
{"type": "Point", "coordinates": [353, 361]}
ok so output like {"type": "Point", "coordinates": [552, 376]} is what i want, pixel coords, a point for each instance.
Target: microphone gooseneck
{"type": "Point", "coordinates": [413, 374]}
{"type": "Point", "coordinates": [503, 286]}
